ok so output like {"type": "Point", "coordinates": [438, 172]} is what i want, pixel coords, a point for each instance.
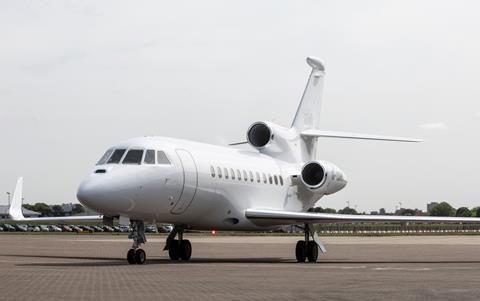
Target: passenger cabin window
{"type": "Point", "coordinates": [258, 177]}
{"type": "Point", "coordinates": [264, 178]}
{"type": "Point", "coordinates": [245, 177]}
{"type": "Point", "coordinates": [251, 176]}
{"type": "Point", "coordinates": [149, 157]}
{"type": "Point", "coordinates": [270, 179]}
{"type": "Point", "coordinates": [281, 180]}
{"type": "Point", "coordinates": [239, 175]}
{"type": "Point", "coordinates": [116, 156]}
{"type": "Point", "coordinates": [275, 179]}
{"type": "Point", "coordinates": [219, 171]}
{"type": "Point", "coordinates": [105, 157]}
{"type": "Point", "coordinates": [134, 156]}
{"type": "Point", "coordinates": [212, 171]}
{"type": "Point", "coordinates": [232, 173]}
{"type": "Point", "coordinates": [225, 170]}
{"type": "Point", "coordinates": [162, 158]}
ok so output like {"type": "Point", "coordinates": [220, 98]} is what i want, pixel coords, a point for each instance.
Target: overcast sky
{"type": "Point", "coordinates": [78, 76]}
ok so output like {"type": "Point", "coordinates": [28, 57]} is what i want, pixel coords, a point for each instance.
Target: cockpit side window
{"type": "Point", "coordinates": [116, 156]}
{"type": "Point", "coordinates": [105, 157]}
{"type": "Point", "coordinates": [162, 158]}
{"type": "Point", "coordinates": [149, 157]}
{"type": "Point", "coordinates": [134, 156]}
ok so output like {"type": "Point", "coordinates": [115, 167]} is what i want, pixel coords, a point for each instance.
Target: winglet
{"type": "Point", "coordinates": [15, 210]}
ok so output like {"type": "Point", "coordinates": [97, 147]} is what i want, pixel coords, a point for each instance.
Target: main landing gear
{"type": "Point", "coordinates": [308, 249]}
{"type": "Point", "coordinates": [135, 254]}
{"type": "Point", "coordinates": [178, 249]}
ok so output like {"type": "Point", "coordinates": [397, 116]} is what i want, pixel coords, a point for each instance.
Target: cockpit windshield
{"type": "Point", "coordinates": [134, 156]}
{"type": "Point", "coordinates": [105, 157]}
{"type": "Point", "coordinates": [116, 156]}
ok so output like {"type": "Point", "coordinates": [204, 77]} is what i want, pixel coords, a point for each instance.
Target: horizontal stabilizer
{"type": "Point", "coordinates": [290, 217]}
{"type": "Point", "coordinates": [346, 135]}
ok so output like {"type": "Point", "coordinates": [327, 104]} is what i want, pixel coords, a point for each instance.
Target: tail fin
{"type": "Point", "coordinates": [308, 112]}
{"type": "Point", "coordinates": [15, 210]}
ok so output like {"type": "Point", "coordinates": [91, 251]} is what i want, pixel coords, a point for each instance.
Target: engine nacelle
{"type": "Point", "coordinates": [259, 135]}
{"type": "Point", "coordinates": [321, 176]}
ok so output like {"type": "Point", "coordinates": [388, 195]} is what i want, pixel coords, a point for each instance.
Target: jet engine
{"type": "Point", "coordinates": [313, 175]}
{"type": "Point", "coordinates": [322, 177]}
{"type": "Point", "coordinates": [259, 134]}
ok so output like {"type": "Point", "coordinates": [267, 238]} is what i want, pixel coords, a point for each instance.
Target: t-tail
{"type": "Point", "coordinates": [298, 143]}
{"type": "Point", "coordinates": [307, 119]}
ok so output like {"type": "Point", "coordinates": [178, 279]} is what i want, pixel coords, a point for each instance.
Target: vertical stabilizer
{"type": "Point", "coordinates": [15, 210]}
{"type": "Point", "coordinates": [308, 112]}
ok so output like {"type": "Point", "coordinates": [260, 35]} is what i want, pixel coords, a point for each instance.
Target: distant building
{"type": "Point", "coordinates": [26, 212]}
{"type": "Point", "coordinates": [430, 206]}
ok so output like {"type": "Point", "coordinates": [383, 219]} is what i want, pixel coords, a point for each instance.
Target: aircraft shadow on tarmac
{"type": "Point", "coordinates": [109, 261]}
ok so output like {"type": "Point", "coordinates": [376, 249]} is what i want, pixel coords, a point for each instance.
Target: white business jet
{"type": "Point", "coordinates": [201, 186]}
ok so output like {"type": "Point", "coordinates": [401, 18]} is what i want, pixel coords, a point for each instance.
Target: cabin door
{"type": "Point", "coordinates": [190, 181]}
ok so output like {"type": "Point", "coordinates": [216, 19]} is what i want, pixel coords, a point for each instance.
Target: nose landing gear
{"type": "Point", "coordinates": [178, 249]}
{"type": "Point", "coordinates": [135, 254]}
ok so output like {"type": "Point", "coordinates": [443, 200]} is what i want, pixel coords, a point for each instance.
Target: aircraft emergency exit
{"type": "Point", "coordinates": [203, 187]}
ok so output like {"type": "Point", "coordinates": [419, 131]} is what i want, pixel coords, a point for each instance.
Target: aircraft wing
{"type": "Point", "coordinates": [290, 217]}
{"type": "Point", "coordinates": [15, 211]}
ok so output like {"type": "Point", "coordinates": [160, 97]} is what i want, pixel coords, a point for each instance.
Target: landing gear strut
{"type": "Point", "coordinates": [306, 249]}
{"type": "Point", "coordinates": [178, 249]}
{"type": "Point", "coordinates": [135, 254]}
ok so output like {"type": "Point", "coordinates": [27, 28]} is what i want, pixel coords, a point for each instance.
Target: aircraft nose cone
{"type": "Point", "coordinates": [104, 195]}
{"type": "Point", "coordinates": [87, 193]}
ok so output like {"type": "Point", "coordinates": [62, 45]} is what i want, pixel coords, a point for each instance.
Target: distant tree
{"type": "Point", "coordinates": [329, 210]}
{"type": "Point", "coordinates": [57, 210]}
{"type": "Point", "coordinates": [322, 210]}
{"type": "Point", "coordinates": [28, 206]}
{"type": "Point", "coordinates": [347, 210]}
{"type": "Point", "coordinates": [42, 208]}
{"type": "Point", "coordinates": [78, 208]}
{"type": "Point", "coordinates": [382, 211]}
{"type": "Point", "coordinates": [406, 211]}
{"type": "Point", "coordinates": [463, 212]}
{"type": "Point", "coordinates": [443, 209]}
{"type": "Point", "coordinates": [477, 213]}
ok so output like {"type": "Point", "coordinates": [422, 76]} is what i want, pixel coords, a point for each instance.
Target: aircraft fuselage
{"type": "Point", "coordinates": [203, 186]}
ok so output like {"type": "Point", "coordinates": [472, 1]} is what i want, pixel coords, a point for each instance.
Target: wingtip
{"type": "Point", "coordinates": [15, 210]}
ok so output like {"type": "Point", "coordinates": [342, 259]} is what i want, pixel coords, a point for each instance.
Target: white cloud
{"type": "Point", "coordinates": [476, 116]}
{"type": "Point", "coordinates": [434, 126]}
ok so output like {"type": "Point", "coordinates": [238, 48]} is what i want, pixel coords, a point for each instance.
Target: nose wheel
{"type": "Point", "coordinates": [136, 255]}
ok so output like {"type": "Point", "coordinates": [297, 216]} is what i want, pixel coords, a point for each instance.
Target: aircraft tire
{"type": "Point", "coordinates": [185, 250]}
{"type": "Point", "coordinates": [131, 256]}
{"type": "Point", "coordinates": [312, 251]}
{"type": "Point", "coordinates": [301, 251]}
{"type": "Point", "coordinates": [140, 256]}
{"type": "Point", "coordinates": [174, 250]}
